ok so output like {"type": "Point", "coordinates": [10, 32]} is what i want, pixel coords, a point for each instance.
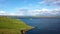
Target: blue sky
{"type": "Point", "coordinates": [28, 7]}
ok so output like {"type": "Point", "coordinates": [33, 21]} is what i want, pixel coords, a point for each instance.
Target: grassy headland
{"type": "Point", "coordinates": [11, 25]}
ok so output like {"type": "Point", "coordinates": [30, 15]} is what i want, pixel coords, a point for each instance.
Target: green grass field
{"type": "Point", "coordinates": [12, 26]}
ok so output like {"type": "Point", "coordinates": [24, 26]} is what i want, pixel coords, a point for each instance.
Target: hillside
{"type": "Point", "coordinates": [11, 25]}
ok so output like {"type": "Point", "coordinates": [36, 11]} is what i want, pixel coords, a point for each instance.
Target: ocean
{"type": "Point", "coordinates": [43, 25]}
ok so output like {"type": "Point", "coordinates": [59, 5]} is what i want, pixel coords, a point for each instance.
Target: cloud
{"type": "Point", "coordinates": [46, 12]}
{"type": "Point", "coordinates": [51, 2]}
{"type": "Point", "coordinates": [41, 12]}
{"type": "Point", "coordinates": [3, 13]}
{"type": "Point", "coordinates": [27, 12]}
{"type": "Point", "coordinates": [6, 13]}
{"type": "Point", "coordinates": [12, 14]}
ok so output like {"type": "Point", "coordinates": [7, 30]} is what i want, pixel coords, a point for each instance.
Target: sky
{"type": "Point", "coordinates": [30, 7]}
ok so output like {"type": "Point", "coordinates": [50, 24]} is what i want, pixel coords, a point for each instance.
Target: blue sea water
{"type": "Point", "coordinates": [43, 25]}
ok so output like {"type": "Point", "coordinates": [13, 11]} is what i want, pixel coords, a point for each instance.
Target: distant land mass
{"type": "Point", "coordinates": [32, 16]}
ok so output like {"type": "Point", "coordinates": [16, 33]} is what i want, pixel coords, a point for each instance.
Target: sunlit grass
{"type": "Point", "coordinates": [11, 25]}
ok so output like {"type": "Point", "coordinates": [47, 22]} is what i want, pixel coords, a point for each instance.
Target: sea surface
{"type": "Point", "coordinates": [43, 25]}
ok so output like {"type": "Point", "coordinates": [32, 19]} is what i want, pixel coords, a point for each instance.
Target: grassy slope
{"type": "Point", "coordinates": [11, 25]}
